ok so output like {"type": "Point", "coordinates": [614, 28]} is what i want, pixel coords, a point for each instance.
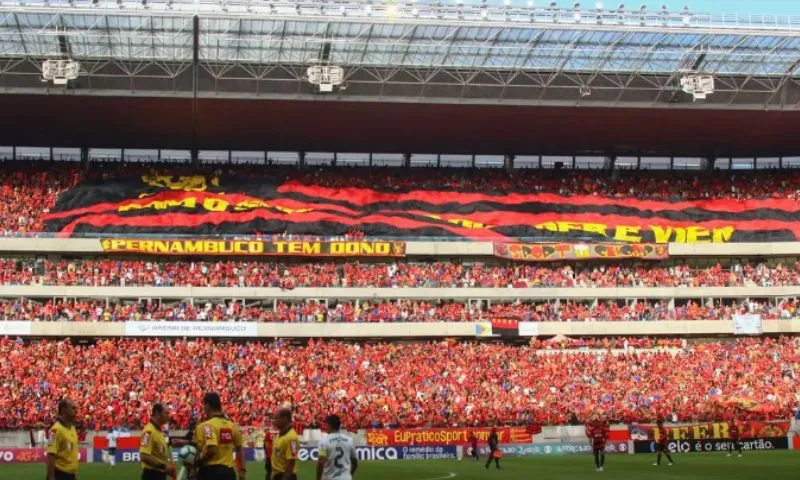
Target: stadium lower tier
{"type": "Point", "coordinates": [443, 383]}
{"type": "Point", "coordinates": [370, 311]}
{"type": "Point", "coordinates": [400, 274]}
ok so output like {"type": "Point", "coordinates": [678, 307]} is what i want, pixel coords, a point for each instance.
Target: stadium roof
{"type": "Point", "coordinates": [403, 51]}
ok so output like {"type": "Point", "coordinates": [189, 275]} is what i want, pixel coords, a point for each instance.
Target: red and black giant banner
{"type": "Point", "coordinates": [199, 205]}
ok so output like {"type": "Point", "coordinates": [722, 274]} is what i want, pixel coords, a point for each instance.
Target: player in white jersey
{"type": "Point", "coordinates": [111, 454]}
{"type": "Point", "coordinates": [337, 454]}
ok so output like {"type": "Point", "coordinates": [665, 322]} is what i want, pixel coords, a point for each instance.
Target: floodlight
{"type": "Point", "coordinates": [506, 2]}
{"type": "Point", "coordinates": [531, 3]}
{"type": "Point", "coordinates": [484, 13]}
{"type": "Point", "coordinates": [60, 71]}
{"type": "Point", "coordinates": [415, 11]}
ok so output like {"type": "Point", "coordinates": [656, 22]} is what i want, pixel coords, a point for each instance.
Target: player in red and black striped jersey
{"type": "Point", "coordinates": [734, 438]}
{"type": "Point", "coordinates": [661, 443]}
{"type": "Point", "coordinates": [598, 431]}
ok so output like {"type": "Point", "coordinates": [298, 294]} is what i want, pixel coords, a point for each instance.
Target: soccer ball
{"type": "Point", "coordinates": [187, 454]}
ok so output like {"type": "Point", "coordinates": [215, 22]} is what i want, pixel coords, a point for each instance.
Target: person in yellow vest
{"type": "Point", "coordinates": [217, 440]}
{"type": "Point", "coordinates": [157, 463]}
{"type": "Point", "coordinates": [285, 447]}
{"type": "Point", "coordinates": [62, 445]}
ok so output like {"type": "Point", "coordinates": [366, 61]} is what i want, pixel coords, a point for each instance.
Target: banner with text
{"type": "Point", "coordinates": [31, 455]}
{"type": "Point", "coordinates": [712, 445]}
{"type": "Point", "coordinates": [13, 328]}
{"type": "Point", "coordinates": [554, 449]}
{"type": "Point", "coordinates": [750, 324]}
{"type": "Point", "coordinates": [191, 329]}
{"type": "Point", "coordinates": [444, 436]}
{"type": "Point", "coordinates": [255, 247]}
{"type": "Point", "coordinates": [542, 252]}
{"type": "Point", "coordinates": [710, 431]}
{"type": "Point", "coordinates": [271, 205]}
{"type": "Point", "coordinates": [418, 452]}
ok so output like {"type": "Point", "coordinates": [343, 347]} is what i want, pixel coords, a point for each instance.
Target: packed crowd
{"type": "Point", "coordinates": [313, 311]}
{"type": "Point", "coordinates": [29, 189]}
{"type": "Point", "coordinates": [411, 384]}
{"type": "Point", "coordinates": [28, 192]}
{"type": "Point", "coordinates": [401, 274]}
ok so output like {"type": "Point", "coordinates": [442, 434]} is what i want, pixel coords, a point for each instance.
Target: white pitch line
{"type": "Point", "coordinates": [449, 475]}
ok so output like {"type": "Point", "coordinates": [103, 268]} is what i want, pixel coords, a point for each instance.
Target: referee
{"type": "Point", "coordinates": [62, 444]}
{"type": "Point", "coordinates": [217, 440]}
{"type": "Point", "coordinates": [153, 448]}
{"type": "Point", "coordinates": [285, 448]}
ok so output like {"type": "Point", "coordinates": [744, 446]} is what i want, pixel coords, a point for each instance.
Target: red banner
{"type": "Point", "coordinates": [30, 455]}
{"type": "Point", "coordinates": [131, 442]}
{"type": "Point", "coordinates": [708, 431]}
{"type": "Point", "coordinates": [444, 436]}
{"type": "Point", "coordinates": [542, 252]}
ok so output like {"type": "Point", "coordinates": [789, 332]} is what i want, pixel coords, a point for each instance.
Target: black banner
{"type": "Point", "coordinates": [199, 205]}
{"type": "Point", "coordinates": [708, 445]}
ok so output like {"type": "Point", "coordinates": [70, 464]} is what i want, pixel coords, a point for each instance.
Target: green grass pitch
{"type": "Point", "coordinates": [753, 466]}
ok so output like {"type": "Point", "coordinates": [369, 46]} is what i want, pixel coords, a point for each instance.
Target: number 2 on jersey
{"type": "Point", "coordinates": [337, 458]}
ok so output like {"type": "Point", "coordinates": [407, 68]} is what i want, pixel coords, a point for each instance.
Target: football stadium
{"type": "Point", "coordinates": [418, 240]}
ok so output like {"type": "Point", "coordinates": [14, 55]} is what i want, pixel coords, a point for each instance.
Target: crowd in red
{"type": "Point", "coordinates": [29, 189]}
{"type": "Point", "coordinates": [312, 311]}
{"type": "Point", "coordinates": [27, 192]}
{"type": "Point", "coordinates": [243, 273]}
{"type": "Point", "coordinates": [411, 384]}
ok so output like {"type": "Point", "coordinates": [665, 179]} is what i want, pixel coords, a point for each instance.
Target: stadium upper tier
{"type": "Point", "coordinates": [491, 204]}
{"type": "Point", "coordinates": [403, 49]}
{"type": "Point", "coordinates": [410, 384]}
{"type": "Point", "coordinates": [398, 274]}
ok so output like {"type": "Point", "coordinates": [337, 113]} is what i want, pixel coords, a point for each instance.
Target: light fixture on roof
{"type": "Point", "coordinates": [392, 10]}
{"type": "Point", "coordinates": [687, 15]}
{"type": "Point", "coordinates": [531, 3]}
{"type": "Point", "coordinates": [368, 8]}
{"type": "Point", "coordinates": [343, 10]}
{"type": "Point", "coordinates": [698, 86]}
{"type": "Point", "coordinates": [643, 14]}
{"type": "Point", "coordinates": [576, 12]}
{"type": "Point", "coordinates": [60, 71]}
{"type": "Point", "coordinates": [554, 11]}
{"type": "Point", "coordinates": [621, 14]}
{"type": "Point", "coordinates": [144, 3]}
{"type": "Point", "coordinates": [298, 8]}
{"type": "Point", "coordinates": [599, 16]}
{"type": "Point", "coordinates": [507, 3]}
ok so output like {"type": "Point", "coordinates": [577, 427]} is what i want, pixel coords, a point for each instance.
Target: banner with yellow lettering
{"type": "Point", "coordinates": [540, 252]}
{"type": "Point", "coordinates": [719, 430]}
{"type": "Point", "coordinates": [255, 247]}
{"type": "Point", "coordinates": [227, 205]}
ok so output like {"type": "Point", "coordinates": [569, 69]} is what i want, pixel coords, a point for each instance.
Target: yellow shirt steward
{"type": "Point", "coordinates": [285, 448]}
{"type": "Point", "coordinates": [154, 443]}
{"type": "Point", "coordinates": [222, 433]}
{"type": "Point", "coordinates": [63, 443]}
